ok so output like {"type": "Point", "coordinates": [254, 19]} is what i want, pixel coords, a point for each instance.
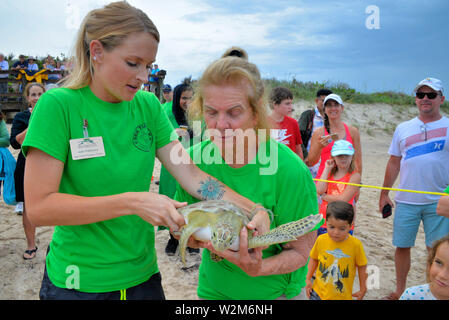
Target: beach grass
{"type": "Point", "coordinates": [307, 91]}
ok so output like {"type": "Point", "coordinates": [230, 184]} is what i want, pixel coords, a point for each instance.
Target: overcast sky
{"type": "Point", "coordinates": [370, 45]}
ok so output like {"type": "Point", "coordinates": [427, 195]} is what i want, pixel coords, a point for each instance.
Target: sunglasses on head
{"type": "Point", "coordinates": [430, 95]}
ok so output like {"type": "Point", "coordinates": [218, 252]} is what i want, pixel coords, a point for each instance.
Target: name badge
{"type": "Point", "coordinates": [86, 148]}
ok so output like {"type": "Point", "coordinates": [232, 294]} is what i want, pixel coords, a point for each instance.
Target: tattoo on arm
{"type": "Point", "coordinates": [211, 189]}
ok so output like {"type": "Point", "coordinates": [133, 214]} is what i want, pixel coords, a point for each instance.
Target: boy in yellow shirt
{"type": "Point", "coordinates": [336, 256]}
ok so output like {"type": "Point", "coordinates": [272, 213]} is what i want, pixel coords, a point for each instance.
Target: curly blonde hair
{"type": "Point", "coordinates": [238, 71]}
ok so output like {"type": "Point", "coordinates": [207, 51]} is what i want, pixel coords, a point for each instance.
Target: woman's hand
{"type": "Point", "coordinates": [249, 261]}
{"type": "Point", "coordinates": [182, 133]}
{"type": "Point", "coordinates": [159, 210]}
{"type": "Point", "coordinates": [260, 223]}
{"type": "Point", "coordinates": [330, 164]}
{"type": "Point", "coordinates": [323, 197]}
{"type": "Point", "coordinates": [325, 140]}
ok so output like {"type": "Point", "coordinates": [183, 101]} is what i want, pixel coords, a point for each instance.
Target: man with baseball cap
{"type": "Point", "coordinates": [167, 92]}
{"type": "Point", "coordinates": [419, 154]}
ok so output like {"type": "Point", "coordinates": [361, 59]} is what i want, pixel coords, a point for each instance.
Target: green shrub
{"type": "Point", "coordinates": [307, 91]}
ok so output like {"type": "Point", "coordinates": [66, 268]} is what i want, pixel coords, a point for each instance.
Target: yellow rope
{"type": "Point", "coordinates": [384, 188]}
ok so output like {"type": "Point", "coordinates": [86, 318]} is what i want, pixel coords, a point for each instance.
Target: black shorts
{"type": "Point", "coordinates": [148, 290]}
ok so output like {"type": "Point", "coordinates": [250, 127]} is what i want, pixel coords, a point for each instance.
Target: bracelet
{"type": "Point", "coordinates": [254, 209]}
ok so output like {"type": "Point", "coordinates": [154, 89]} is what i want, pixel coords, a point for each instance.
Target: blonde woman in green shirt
{"type": "Point", "coordinates": [91, 147]}
{"type": "Point", "coordinates": [229, 98]}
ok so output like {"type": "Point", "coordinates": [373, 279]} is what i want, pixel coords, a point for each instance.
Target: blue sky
{"type": "Point", "coordinates": [309, 40]}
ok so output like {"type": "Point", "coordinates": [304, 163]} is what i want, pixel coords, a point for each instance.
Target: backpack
{"type": "Point", "coordinates": [305, 123]}
{"type": "Point", "coordinates": [8, 165]}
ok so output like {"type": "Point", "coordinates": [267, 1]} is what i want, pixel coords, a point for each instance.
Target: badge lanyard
{"type": "Point", "coordinates": [85, 132]}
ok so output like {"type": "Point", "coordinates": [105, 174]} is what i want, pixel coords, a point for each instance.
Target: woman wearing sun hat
{"type": "Point", "coordinates": [334, 128]}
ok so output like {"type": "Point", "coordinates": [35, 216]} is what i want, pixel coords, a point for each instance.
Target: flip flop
{"type": "Point", "coordinates": [30, 253]}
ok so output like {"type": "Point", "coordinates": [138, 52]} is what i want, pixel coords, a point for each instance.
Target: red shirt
{"type": "Point", "coordinates": [287, 132]}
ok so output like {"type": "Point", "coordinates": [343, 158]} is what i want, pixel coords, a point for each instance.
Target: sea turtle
{"type": "Point", "coordinates": [220, 222]}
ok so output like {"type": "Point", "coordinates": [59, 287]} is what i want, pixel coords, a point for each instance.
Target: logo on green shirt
{"type": "Point", "coordinates": [143, 138]}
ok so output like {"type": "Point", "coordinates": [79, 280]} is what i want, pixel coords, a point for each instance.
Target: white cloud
{"type": "Point", "coordinates": [193, 32]}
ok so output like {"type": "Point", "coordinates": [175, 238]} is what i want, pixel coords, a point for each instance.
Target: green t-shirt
{"type": "Point", "coordinates": [447, 190]}
{"type": "Point", "coordinates": [167, 184]}
{"type": "Point", "coordinates": [288, 191]}
{"type": "Point", "coordinates": [168, 108]}
{"type": "Point", "coordinates": [118, 253]}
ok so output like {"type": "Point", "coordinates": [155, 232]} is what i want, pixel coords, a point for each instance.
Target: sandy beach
{"type": "Point", "coordinates": [20, 279]}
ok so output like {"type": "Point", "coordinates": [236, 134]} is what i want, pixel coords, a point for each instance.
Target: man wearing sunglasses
{"type": "Point", "coordinates": [419, 154]}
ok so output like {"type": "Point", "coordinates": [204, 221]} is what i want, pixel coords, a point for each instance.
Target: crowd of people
{"type": "Point", "coordinates": [30, 64]}
{"type": "Point", "coordinates": [104, 129]}
{"type": "Point", "coordinates": [56, 70]}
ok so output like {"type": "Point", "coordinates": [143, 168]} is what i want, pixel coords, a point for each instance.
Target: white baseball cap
{"type": "Point", "coordinates": [334, 97]}
{"type": "Point", "coordinates": [342, 147]}
{"type": "Point", "coordinates": [433, 83]}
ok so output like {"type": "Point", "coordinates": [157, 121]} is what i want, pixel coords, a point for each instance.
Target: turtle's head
{"type": "Point", "coordinates": [222, 237]}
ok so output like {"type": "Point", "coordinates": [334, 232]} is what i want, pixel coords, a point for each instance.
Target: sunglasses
{"type": "Point", "coordinates": [430, 95]}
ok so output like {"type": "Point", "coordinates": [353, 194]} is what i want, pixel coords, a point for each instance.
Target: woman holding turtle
{"type": "Point", "coordinates": [240, 153]}
{"type": "Point", "coordinates": [90, 148]}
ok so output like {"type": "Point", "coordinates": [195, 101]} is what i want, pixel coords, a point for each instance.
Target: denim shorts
{"type": "Point", "coordinates": [408, 217]}
{"type": "Point", "coordinates": [148, 290]}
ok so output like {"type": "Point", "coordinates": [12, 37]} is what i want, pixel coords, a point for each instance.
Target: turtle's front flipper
{"type": "Point", "coordinates": [286, 232]}
{"type": "Point", "coordinates": [186, 232]}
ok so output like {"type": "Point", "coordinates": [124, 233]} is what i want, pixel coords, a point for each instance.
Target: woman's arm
{"type": "Point", "coordinates": [317, 143]}
{"type": "Point", "coordinates": [348, 193]}
{"type": "Point", "coordinates": [21, 136]}
{"type": "Point", "coordinates": [357, 147]}
{"type": "Point", "coordinates": [293, 256]}
{"type": "Point", "coordinates": [203, 186]}
{"type": "Point", "coordinates": [321, 186]}
{"type": "Point", "coordinates": [47, 207]}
